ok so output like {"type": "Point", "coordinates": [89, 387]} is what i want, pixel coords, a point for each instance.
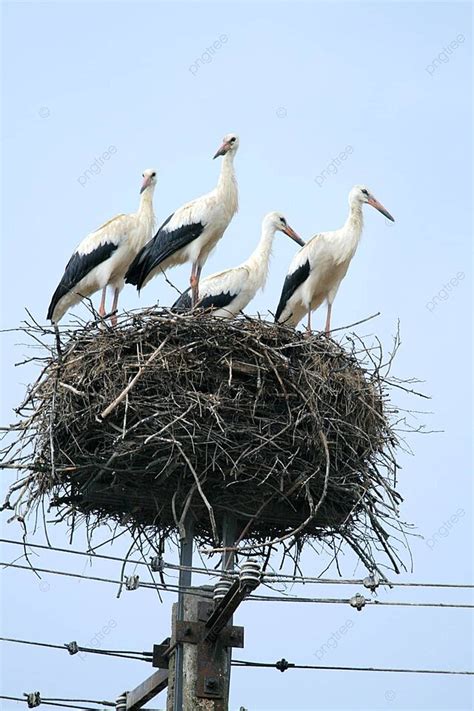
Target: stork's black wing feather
{"type": "Point", "coordinates": [292, 282]}
{"type": "Point", "coordinates": [165, 243]}
{"type": "Point", "coordinates": [184, 302]}
{"type": "Point", "coordinates": [216, 301]}
{"type": "Point", "coordinates": [77, 268]}
{"type": "Point", "coordinates": [211, 301]}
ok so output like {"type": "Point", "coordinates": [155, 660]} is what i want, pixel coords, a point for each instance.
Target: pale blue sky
{"type": "Point", "coordinates": [299, 82]}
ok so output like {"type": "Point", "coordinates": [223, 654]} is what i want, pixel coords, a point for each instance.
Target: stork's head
{"type": "Point", "coordinates": [230, 144]}
{"type": "Point", "coordinates": [361, 193]}
{"type": "Point", "coordinates": [277, 221]}
{"type": "Point", "coordinates": [149, 179]}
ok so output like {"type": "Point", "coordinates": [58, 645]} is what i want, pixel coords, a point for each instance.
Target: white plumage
{"type": "Point", "coordinates": [103, 257]}
{"type": "Point", "coordinates": [228, 292]}
{"type": "Point", "coordinates": [316, 272]}
{"type": "Point", "coordinates": [192, 232]}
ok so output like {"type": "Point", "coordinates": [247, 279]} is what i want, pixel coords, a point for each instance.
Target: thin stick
{"type": "Point", "coordinates": [201, 492]}
{"type": "Point", "coordinates": [105, 413]}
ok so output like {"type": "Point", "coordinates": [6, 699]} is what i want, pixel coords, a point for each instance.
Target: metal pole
{"type": "Point", "coordinates": [229, 530]}
{"type": "Point", "coordinates": [185, 560]}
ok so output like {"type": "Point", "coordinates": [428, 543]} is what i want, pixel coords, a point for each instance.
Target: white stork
{"type": "Point", "coordinates": [229, 292]}
{"type": "Point", "coordinates": [103, 257]}
{"type": "Point", "coordinates": [316, 272]}
{"type": "Point", "coordinates": [192, 232]}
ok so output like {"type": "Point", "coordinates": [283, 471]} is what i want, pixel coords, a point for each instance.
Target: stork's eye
{"type": "Point", "coordinates": [232, 140]}
{"type": "Point", "coordinates": [366, 192]}
{"type": "Point", "coordinates": [283, 221]}
{"type": "Point", "coordinates": [153, 175]}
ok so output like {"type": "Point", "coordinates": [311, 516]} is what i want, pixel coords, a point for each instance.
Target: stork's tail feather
{"type": "Point", "coordinates": [135, 273]}
{"type": "Point", "coordinates": [183, 303]}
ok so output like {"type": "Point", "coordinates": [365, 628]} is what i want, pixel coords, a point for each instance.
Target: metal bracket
{"type": "Point", "coordinates": [161, 654]}
{"type": "Point", "coordinates": [211, 670]}
{"type": "Point", "coordinates": [211, 663]}
{"type": "Point", "coordinates": [195, 633]}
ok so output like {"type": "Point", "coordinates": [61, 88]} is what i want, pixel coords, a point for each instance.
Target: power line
{"type": "Point", "coordinates": [74, 648]}
{"type": "Point", "coordinates": [47, 702]}
{"type": "Point", "coordinates": [268, 577]}
{"type": "Point", "coordinates": [283, 665]}
{"type": "Point", "coordinates": [255, 598]}
{"type": "Point", "coordinates": [148, 586]}
{"type": "Point", "coordinates": [86, 701]}
{"type": "Point", "coordinates": [171, 566]}
{"type": "Point", "coordinates": [349, 601]}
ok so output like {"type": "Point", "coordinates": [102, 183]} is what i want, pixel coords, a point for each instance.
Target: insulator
{"type": "Point", "coordinates": [157, 564]}
{"type": "Point", "coordinates": [372, 582]}
{"type": "Point", "coordinates": [251, 574]}
{"type": "Point", "coordinates": [33, 699]}
{"type": "Point", "coordinates": [121, 702]}
{"type": "Point", "coordinates": [132, 582]}
{"type": "Point", "coordinates": [72, 647]}
{"type": "Point", "coordinates": [221, 588]}
{"type": "Point", "coordinates": [283, 665]}
{"type": "Point", "coordinates": [358, 601]}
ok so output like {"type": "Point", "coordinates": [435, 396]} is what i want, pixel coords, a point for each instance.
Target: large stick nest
{"type": "Point", "coordinates": [171, 417]}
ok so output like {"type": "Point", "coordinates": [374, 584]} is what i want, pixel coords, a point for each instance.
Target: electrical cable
{"type": "Point", "coordinates": [283, 665]}
{"type": "Point", "coordinates": [121, 654]}
{"type": "Point", "coordinates": [46, 702]}
{"type": "Point", "coordinates": [255, 598]}
{"type": "Point", "coordinates": [268, 577]}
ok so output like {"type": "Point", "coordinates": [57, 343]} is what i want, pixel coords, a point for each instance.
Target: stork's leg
{"type": "Point", "coordinates": [309, 322]}
{"type": "Point", "coordinates": [198, 277]}
{"type": "Point", "coordinates": [194, 285]}
{"type": "Point", "coordinates": [194, 281]}
{"type": "Point", "coordinates": [328, 319]}
{"type": "Point", "coordinates": [113, 318]}
{"type": "Point", "coordinates": [102, 302]}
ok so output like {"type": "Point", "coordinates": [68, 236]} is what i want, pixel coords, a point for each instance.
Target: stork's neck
{"type": "Point", "coordinates": [145, 214]}
{"type": "Point", "coordinates": [146, 202]}
{"type": "Point", "coordinates": [355, 220]}
{"type": "Point", "coordinates": [227, 184]}
{"type": "Point", "coordinates": [259, 260]}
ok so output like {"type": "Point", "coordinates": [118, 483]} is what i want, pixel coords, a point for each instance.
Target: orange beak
{"type": "Point", "coordinates": [291, 233]}
{"type": "Point", "coordinates": [145, 184]}
{"type": "Point", "coordinates": [222, 150]}
{"type": "Point", "coordinates": [378, 206]}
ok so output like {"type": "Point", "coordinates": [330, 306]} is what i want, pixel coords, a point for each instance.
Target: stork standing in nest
{"type": "Point", "coordinates": [192, 232]}
{"type": "Point", "coordinates": [227, 293]}
{"type": "Point", "coordinates": [104, 256]}
{"type": "Point", "coordinates": [318, 269]}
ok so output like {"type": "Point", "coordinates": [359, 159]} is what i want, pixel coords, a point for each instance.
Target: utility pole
{"type": "Point", "coordinates": [199, 670]}
{"type": "Point", "coordinates": [194, 663]}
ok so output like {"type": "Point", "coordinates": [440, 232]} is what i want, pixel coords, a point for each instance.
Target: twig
{"type": "Point", "coordinates": [105, 413]}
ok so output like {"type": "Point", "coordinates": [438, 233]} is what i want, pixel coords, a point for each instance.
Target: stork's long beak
{"type": "Point", "coordinates": [378, 206]}
{"type": "Point", "coordinates": [291, 233]}
{"type": "Point", "coordinates": [222, 150]}
{"type": "Point", "coordinates": [145, 184]}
